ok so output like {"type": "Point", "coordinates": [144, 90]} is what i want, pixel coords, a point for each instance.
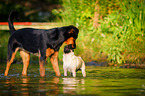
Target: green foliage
{"type": "Point", "coordinates": [3, 44]}
{"type": "Point", "coordinates": [29, 10]}
{"type": "Point", "coordinates": [123, 31]}
{"type": "Point", "coordinates": [108, 6]}
{"type": "Point", "coordinates": [120, 35]}
{"type": "Point", "coordinates": [78, 11]}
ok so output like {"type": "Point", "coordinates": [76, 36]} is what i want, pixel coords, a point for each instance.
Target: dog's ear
{"type": "Point", "coordinates": [73, 31]}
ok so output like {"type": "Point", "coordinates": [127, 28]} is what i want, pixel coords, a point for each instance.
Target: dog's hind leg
{"type": "Point", "coordinates": [74, 73]}
{"type": "Point", "coordinates": [26, 58]}
{"type": "Point", "coordinates": [54, 62]}
{"type": "Point", "coordinates": [10, 58]}
{"type": "Point", "coordinates": [83, 72]}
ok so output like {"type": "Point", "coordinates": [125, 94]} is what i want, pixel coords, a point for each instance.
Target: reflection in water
{"type": "Point", "coordinates": [46, 88]}
{"type": "Point", "coordinates": [99, 82]}
{"type": "Point", "coordinates": [72, 85]}
{"type": "Point", "coordinates": [24, 85]}
{"type": "Point", "coordinates": [29, 86]}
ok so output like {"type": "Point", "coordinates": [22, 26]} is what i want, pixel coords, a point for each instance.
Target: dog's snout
{"type": "Point", "coordinates": [74, 46]}
{"type": "Point", "coordinates": [71, 42]}
{"type": "Point", "coordinates": [70, 46]}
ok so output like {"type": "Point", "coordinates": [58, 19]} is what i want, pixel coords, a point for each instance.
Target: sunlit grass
{"type": "Point", "coordinates": [120, 36]}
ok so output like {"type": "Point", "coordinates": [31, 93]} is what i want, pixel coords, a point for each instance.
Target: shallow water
{"type": "Point", "coordinates": [100, 81]}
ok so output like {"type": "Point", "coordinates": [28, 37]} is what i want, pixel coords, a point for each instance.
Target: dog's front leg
{"type": "Point", "coordinates": [42, 67]}
{"type": "Point", "coordinates": [65, 72]}
{"type": "Point", "coordinates": [54, 62]}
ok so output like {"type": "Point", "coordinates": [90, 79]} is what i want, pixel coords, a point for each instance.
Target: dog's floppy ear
{"type": "Point", "coordinates": [73, 31]}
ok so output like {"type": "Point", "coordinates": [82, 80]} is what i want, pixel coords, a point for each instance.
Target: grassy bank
{"type": "Point", "coordinates": [120, 36]}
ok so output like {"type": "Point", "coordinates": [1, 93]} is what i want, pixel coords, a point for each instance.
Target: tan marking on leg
{"type": "Point", "coordinates": [42, 68]}
{"type": "Point", "coordinates": [49, 52]}
{"type": "Point", "coordinates": [26, 58]}
{"type": "Point", "coordinates": [54, 62]}
{"type": "Point", "coordinates": [10, 62]}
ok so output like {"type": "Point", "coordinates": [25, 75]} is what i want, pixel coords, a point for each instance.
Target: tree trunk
{"type": "Point", "coordinates": [96, 15]}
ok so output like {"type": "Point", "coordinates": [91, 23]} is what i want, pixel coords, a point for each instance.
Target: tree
{"type": "Point", "coordinates": [96, 15]}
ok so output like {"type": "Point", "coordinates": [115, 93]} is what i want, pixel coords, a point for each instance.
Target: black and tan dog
{"type": "Point", "coordinates": [40, 42]}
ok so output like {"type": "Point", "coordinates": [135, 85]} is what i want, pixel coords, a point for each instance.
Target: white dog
{"type": "Point", "coordinates": [72, 63]}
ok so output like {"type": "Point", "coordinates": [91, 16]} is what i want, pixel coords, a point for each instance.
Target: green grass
{"type": "Point", "coordinates": [4, 35]}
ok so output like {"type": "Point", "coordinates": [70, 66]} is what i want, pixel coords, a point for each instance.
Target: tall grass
{"type": "Point", "coordinates": [124, 33]}
{"type": "Point", "coordinates": [120, 36]}
{"type": "Point", "coordinates": [4, 35]}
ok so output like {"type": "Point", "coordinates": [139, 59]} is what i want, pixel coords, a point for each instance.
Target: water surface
{"type": "Point", "coordinates": [100, 81]}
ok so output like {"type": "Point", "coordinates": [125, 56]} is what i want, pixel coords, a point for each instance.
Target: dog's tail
{"type": "Point", "coordinates": [13, 15]}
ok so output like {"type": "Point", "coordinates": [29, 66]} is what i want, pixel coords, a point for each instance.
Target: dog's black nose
{"type": "Point", "coordinates": [68, 48]}
{"type": "Point", "coordinates": [71, 46]}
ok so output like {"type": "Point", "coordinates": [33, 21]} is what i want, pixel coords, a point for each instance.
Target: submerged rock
{"type": "Point", "coordinates": [96, 63]}
{"type": "Point", "coordinates": [141, 66]}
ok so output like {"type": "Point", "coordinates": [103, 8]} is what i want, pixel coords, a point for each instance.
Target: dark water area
{"type": "Point", "coordinates": [100, 81]}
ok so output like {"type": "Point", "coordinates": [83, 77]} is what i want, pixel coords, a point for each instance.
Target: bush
{"type": "Point", "coordinates": [120, 36]}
